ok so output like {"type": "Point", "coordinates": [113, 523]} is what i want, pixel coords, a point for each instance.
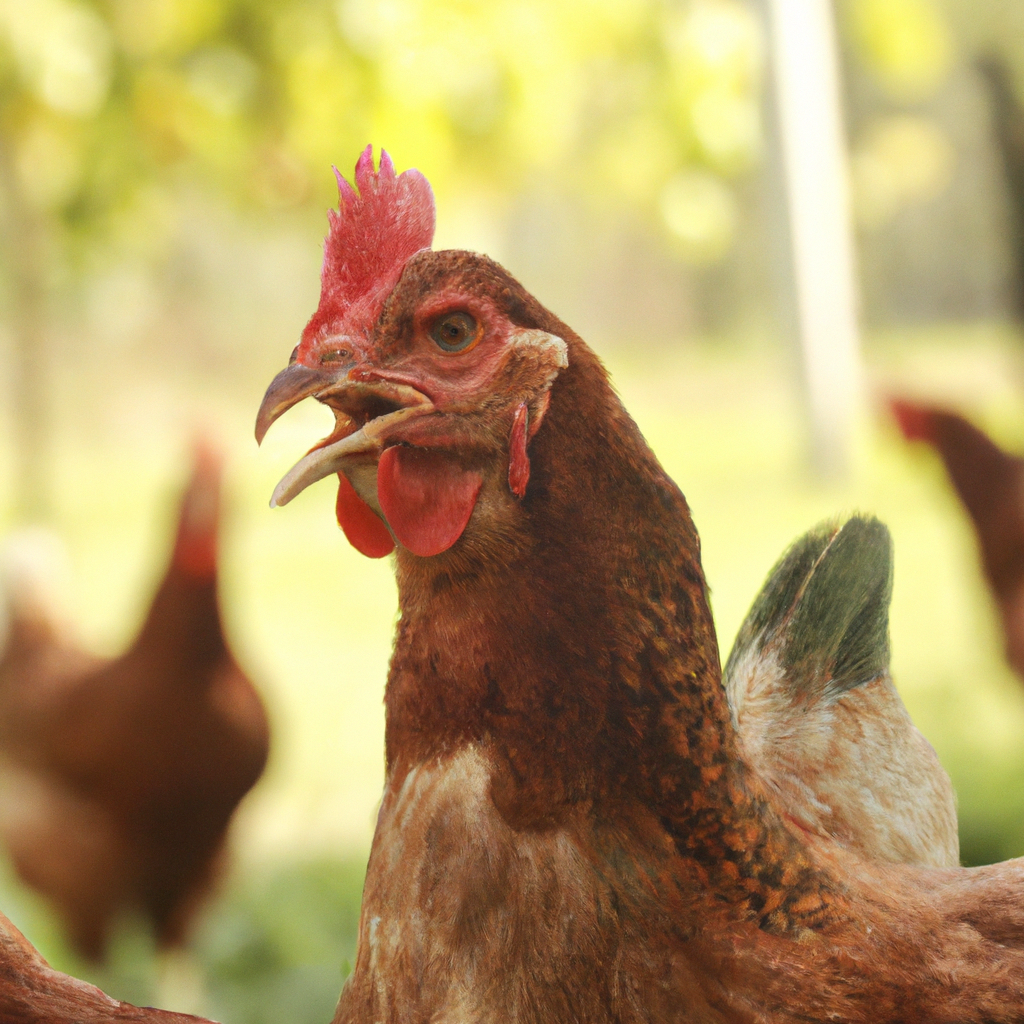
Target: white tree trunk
{"type": "Point", "coordinates": [805, 71]}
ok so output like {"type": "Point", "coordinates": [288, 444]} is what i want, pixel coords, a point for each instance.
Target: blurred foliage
{"type": "Point", "coordinates": [906, 44]}
{"type": "Point", "coordinates": [101, 100]}
{"type": "Point", "coordinates": [901, 158]}
{"type": "Point", "coordinates": [112, 110]}
{"type": "Point", "coordinates": [280, 945]}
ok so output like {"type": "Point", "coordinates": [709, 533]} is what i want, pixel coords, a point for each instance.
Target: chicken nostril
{"type": "Point", "coordinates": [362, 374]}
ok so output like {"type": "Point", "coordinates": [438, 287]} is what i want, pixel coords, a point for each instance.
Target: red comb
{"type": "Point", "coordinates": [372, 235]}
{"type": "Point", "coordinates": [915, 421]}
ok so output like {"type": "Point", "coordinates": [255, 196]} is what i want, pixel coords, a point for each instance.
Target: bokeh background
{"type": "Point", "coordinates": [165, 168]}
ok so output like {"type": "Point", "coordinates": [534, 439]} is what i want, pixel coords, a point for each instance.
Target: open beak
{"type": "Point", "coordinates": [365, 412]}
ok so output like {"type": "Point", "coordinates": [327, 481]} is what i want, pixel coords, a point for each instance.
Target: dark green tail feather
{"type": "Point", "coordinates": [825, 607]}
{"type": "Point", "coordinates": [781, 589]}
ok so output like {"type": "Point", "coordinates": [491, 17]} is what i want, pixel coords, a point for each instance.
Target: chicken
{"type": "Point", "coordinates": [118, 777]}
{"type": "Point", "coordinates": [569, 828]}
{"type": "Point", "coordinates": [990, 483]}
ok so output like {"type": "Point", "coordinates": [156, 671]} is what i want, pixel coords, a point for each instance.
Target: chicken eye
{"type": "Point", "coordinates": [455, 332]}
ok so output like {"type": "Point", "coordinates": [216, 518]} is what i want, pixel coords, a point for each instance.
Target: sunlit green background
{"type": "Point", "coordinates": [164, 173]}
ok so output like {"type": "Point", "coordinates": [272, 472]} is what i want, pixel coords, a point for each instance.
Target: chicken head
{"type": "Point", "coordinates": [436, 377]}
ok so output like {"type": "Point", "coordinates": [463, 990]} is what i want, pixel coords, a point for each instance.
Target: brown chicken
{"type": "Point", "coordinates": [570, 827]}
{"type": "Point", "coordinates": [990, 483]}
{"type": "Point", "coordinates": [118, 777]}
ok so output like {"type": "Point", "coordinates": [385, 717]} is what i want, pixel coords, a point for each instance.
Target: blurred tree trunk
{"type": "Point", "coordinates": [805, 73]}
{"type": "Point", "coordinates": [25, 232]}
{"type": "Point", "coordinates": [1008, 127]}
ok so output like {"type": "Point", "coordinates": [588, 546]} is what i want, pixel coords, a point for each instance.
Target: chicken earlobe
{"type": "Point", "coordinates": [816, 711]}
{"type": "Point", "coordinates": [552, 355]}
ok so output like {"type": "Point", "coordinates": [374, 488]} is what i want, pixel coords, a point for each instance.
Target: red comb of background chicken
{"type": "Point", "coordinates": [372, 235]}
{"type": "Point", "coordinates": [915, 421]}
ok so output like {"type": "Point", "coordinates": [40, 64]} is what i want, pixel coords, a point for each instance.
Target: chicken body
{"type": "Point", "coordinates": [570, 829]}
{"type": "Point", "coordinates": [118, 777]}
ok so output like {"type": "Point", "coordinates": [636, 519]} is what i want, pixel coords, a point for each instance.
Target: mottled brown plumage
{"type": "Point", "coordinates": [119, 776]}
{"type": "Point", "coordinates": [569, 828]}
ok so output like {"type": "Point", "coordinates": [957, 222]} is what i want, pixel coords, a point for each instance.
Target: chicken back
{"type": "Point", "coordinates": [816, 710]}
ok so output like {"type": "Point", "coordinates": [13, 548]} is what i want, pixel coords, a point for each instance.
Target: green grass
{"type": "Point", "coordinates": [312, 620]}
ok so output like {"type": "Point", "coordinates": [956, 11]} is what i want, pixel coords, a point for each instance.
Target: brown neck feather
{"type": "Point", "coordinates": [182, 633]}
{"type": "Point", "coordinates": [587, 637]}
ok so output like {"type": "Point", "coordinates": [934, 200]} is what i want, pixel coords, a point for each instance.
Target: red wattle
{"type": "Point", "coordinates": [365, 532]}
{"type": "Point", "coordinates": [426, 497]}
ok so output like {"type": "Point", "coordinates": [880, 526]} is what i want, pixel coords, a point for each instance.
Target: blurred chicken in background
{"type": "Point", "coordinates": [990, 484]}
{"type": "Point", "coordinates": [118, 778]}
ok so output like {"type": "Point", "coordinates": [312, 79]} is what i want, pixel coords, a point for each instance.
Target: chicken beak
{"type": "Point", "coordinates": [294, 383]}
{"type": "Point", "coordinates": [338, 452]}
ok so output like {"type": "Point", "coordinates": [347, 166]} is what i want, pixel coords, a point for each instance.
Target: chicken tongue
{"type": "Point", "coordinates": [426, 497]}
